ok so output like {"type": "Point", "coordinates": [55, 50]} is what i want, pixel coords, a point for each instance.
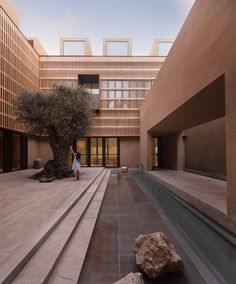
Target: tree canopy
{"type": "Point", "coordinates": [66, 111]}
{"type": "Point", "coordinates": [63, 114]}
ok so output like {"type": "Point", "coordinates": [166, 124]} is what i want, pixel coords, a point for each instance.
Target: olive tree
{"type": "Point", "coordinates": [62, 114]}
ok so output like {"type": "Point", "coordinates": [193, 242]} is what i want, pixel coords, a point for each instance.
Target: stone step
{"type": "Point", "coordinates": [17, 260]}
{"type": "Point", "coordinates": [70, 265]}
{"type": "Point", "coordinates": [42, 263]}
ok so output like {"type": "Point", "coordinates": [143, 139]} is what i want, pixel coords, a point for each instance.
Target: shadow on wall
{"type": "Point", "coordinates": [205, 148]}
{"type": "Point", "coordinates": [202, 148]}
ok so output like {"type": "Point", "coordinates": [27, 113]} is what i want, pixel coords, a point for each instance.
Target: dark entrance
{"type": "Point", "coordinates": [13, 151]}
{"type": "Point", "coordinates": [91, 83]}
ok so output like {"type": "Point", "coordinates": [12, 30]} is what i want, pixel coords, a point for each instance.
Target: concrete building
{"type": "Point", "coordinates": [191, 108]}
{"type": "Point", "coordinates": [119, 80]}
{"type": "Point", "coordinates": [180, 118]}
{"type": "Point", "coordinates": [19, 69]}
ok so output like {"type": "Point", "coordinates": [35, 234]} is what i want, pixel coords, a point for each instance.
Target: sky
{"type": "Point", "coordinates": [141, 20]}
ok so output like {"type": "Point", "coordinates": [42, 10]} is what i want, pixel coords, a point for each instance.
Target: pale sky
{"type": "Point", "coordinates": [141, 20]}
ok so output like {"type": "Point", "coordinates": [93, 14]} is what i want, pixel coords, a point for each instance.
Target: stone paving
{"type": "Point", "coordinates": [27, 205]}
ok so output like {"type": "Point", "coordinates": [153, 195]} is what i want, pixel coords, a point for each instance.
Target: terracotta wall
{"type": "Point", "coordinates": [44, 150]}
{"type": "Point", "coordinates": [129, 152]}
{"type": "Point", "coordinates": [198, 58]}
{"type": "Point", "coordinates": [196, 84]}
{"type": "Point", "coordinates": [38, 148]}
{"type": "Point", "coordinates": [206, 149]}
{"type": "Point", "coordinates": [32, 151]}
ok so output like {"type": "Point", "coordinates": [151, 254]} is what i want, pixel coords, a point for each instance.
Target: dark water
{"type": "Point", "coordinates": [126, 212]}
{"type": "Point", "coordinates": [216, 249]}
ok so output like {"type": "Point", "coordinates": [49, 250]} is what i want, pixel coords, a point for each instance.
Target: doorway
{"type": "Point", "coordinates": [99, 151]}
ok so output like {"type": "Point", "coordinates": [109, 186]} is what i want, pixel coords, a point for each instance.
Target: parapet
{"type": "Point", "coordinates": [77, 46]}
{"type": "Point", "coordinates": [35, 43]}
{"type": "Point", "coordinates": [158, 43]}
{"type": "Point", "coordinates": [117, 47]}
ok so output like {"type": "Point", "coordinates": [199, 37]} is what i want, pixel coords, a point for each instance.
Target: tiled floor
{"type": "Point", "coordinates": [126, 212]}
{"type": "Point", "coordinates": [27, 205]}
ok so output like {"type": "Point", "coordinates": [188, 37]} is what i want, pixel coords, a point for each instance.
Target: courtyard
{"type": "Point", "coordinates": [153, 131]}
{"type": "Point", "coordinates": [61, 231]}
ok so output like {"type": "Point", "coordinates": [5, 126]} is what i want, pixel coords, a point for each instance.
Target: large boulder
{"type": "Point", "coordinates": [156, 255]}
{"type": "Point", "coordinates": [131, 278]}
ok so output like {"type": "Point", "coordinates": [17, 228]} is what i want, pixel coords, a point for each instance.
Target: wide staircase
{"type": "Point", "coordinates": [57, 253]}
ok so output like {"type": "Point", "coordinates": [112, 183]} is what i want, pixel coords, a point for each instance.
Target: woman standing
{"type": "Point", "coordinates": [76, 163]}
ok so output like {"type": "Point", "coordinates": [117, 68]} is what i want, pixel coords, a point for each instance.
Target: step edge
{"type": "Point", "coordinates": [26, 252]}
{"type": "Point", "coordinates": [105, 180]}
{"type": "Point", "coordinates": [47, 278]}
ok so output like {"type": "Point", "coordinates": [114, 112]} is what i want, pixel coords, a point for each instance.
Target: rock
{"type": "Point", "coordinates": [156, 255]}
{"type": "Point", "coordinates": [131, 278]}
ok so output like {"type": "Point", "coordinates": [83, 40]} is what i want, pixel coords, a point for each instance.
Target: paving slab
{"type": "Point", "coordinates": [27, 205]}
{"type": "Point", "coordinates": [42, 263]}
{"type": "Point", "coordinates": [71, 262]}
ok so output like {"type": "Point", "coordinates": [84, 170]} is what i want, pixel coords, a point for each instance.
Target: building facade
{"type": "Point", "coordinates": [197, 129]}
{"type": "Point", "coordinates": [119, 81]}
{"type": "Point", "coordinates": [178, 115]}
{"type": "Point", "coordinates": [19, 69]}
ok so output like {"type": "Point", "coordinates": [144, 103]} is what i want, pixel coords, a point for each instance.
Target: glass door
{"type": "Point", "coordinates": [111, 152]}
{"type": "Point", "coordinates": [81, 146]}
{"type": "Point", "coordinates": [154, 152]}
{"type": "Point", "coordinates": [96, 150]}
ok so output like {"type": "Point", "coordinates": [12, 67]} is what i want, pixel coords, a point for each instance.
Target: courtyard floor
{"type": "Point", "coordinates": [27, 205]}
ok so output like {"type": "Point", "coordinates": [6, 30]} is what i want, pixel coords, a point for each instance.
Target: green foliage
{"type": "Point", "coordinates": [64, 113]}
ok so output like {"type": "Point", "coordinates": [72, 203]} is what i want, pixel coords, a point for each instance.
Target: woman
{"type": "Point", "coordinates": [76, 163]}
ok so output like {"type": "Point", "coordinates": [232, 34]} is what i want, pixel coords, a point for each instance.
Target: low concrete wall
{"type": "Point", "coordinates": [129, 152]}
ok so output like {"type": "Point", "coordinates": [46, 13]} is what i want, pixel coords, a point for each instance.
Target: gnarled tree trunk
{"type": "Point", "coordinates": [57, 168]}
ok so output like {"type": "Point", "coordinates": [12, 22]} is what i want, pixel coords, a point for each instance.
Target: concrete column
{"type": "Point", "coordinates": [146, 151]}
{"type": "Point", "coordinates": [180, 150]}
{"type": "Point", "coordinates": [230, 99]}
{"type": "Point", "coordinates": [149, 152]}
{"type": "Point", "coordinates": [172, 151]}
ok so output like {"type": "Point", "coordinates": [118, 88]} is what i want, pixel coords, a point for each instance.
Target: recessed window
{"type": "Point", "coordinates": [118, 84]}
{"type": "Point", "coordinates": [74, 48]}
{"type": "Point", "coordinates": [117, 48]}
{"type": "Point", "coordinates": [118, 94]}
